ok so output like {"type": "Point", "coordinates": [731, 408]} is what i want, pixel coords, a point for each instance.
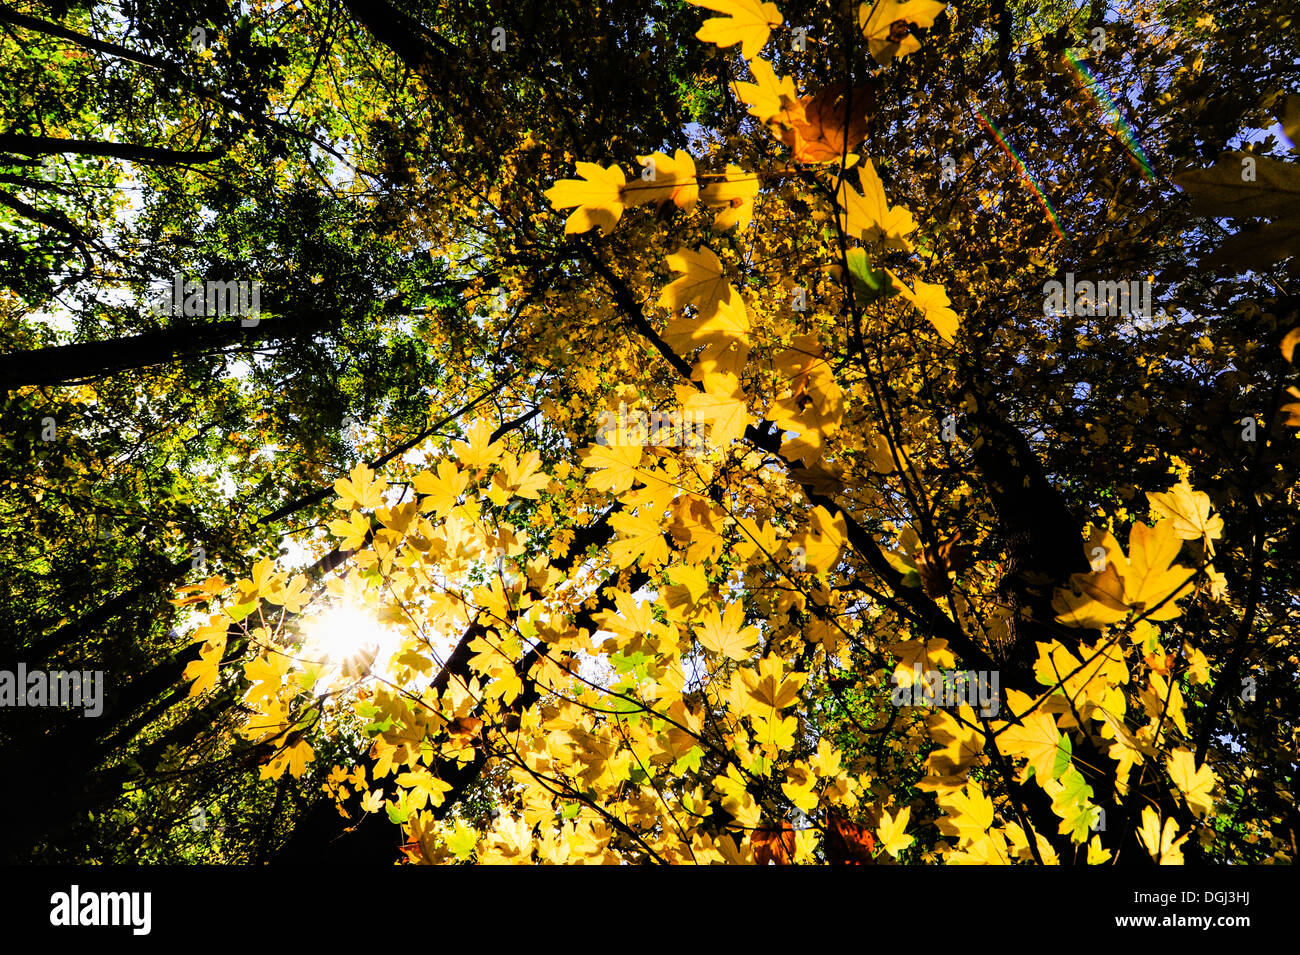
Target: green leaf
{"type": "Point", "coordinates": [1072, 805]}
{"type": "Point", "coordinates": [689, 761]}
{"type": "Point", "coordinates": [629, 663]}
{"type": "Point", "coordinates": [462, 840]}
{"type": "Point", "coordinates": [868, 286]}
{"type": "Point", "coordinates": [241, 611]}
{"type": "Point", "coordinates": [310, 675]}
{"type": "Point", "coordinates": [1064, 751]}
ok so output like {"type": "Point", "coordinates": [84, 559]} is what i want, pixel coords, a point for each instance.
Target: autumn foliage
{"type": "Point", "coordinates": [589, 639]}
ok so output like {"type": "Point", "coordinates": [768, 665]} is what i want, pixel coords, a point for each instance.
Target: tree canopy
{"type": "Point", "coordinates": [650, 431]}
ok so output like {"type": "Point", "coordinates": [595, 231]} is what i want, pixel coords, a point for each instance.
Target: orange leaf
{"type": "Point", "coordinates": [773, 845]}
{"type": "Point", "coordinates": [466, 728]}
{"type": "Point", "coordinates": [829, 118]}
{"type": "Point", "coordinates": [847, 843]}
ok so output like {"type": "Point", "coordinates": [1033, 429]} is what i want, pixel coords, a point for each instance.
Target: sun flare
{"type": "Point", "coordinates": [348, 637]}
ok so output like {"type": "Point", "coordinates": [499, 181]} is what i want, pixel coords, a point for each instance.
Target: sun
{"type": "Point", "coordinates": [349, 637]}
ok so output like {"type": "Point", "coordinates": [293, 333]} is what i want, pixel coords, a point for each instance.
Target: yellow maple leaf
{"type": "Point", "coordinates": [360, 489]}
{"type": "Point", "coordinates": [521, 475]}
{"type": "Point", "coordinates": [294, 596]}
{"type": "Point", "coordinates": [642, 540]}
{"type": "Point", "coordinates": [721, 404]}
{"type": "Point", "coordinates": [1161, 698]}
{"type": "Point", "coordinates": [747, 22]}
{"type": "Point", "coordinates": [969, 813]}
{"type": "Point", "coordinates": [632, 617]}
{"type": "Point", "coordinates": [728, 324]}
{"type": "Point", "coordinates": [1039, 741]}
{"type": "Point", "coordinates": [1093, 600]}
{"type": "Point", "coordinates": [613, 466]}
{"type": "Point", "coordinates": [826, 762]}
{"type": "Point", "coordinates": [697, 524]}
{"type": "Point", "coordinates": [817, 421]}
{"type": "Point", "coordinates": [665, 179]}
{"type": "Point", "coordinates": [890, 831]}
{"type": "Point", "coordinates": [1190, 512]}
{"type": "Point", "coordinates": [441, 490]}
{"type": "Point", "coordinates": [691, 577]}
{"type": "Point", "coordinates": [961, 743]}
{"type": "Point", "coordinates": [1151, 581]}
{"type": "Point", "coordinates": [266, 674]}
{"type": "Point", "coordinates": [462, 840]}
{"type": "Point", "coordinates": [298, 756]}
{"type": "Point", "coordinates": [598, 196]}
{"type": "Point", "coordinates": [932, 302]}
{"type": "Point", "coordinates": [768, 96]}
{"type": "Point", "coordinates": [867, 216]}
{"type": "Point", "coordinates": [661, 486]}
{"type": "Point", "coordinates": [206, 668]}
{"type": "Point", "coordinates": [803, 357]}
{"type": "Point", "coordinates": [1196, 784]}
{"type": "Point", "coordinates": [932, 654]}
{"type": "Point", "coordinates": [823, 542]}
{"type": "Point", "coordinates": [351, 531]}
{"type": "Point", "coordinates": [703, 283]}
{"type": "Point", "coordinates": [799, 787]}
{"type": "Point", "coordinates": [735, 195]}
{"type": "Point", "coordinates": [480, 451]}
{"type": "Point", "coordinates": [758, 541]}
{"type": "Point", "coordinates": [887, 25]}
{"type": "Point", "coordinates": [769, 686]}
{"type": "Point", "coordinates": [724, 634]}
{"type": "Point", "coordinates": [990, 848]}
{"type": "Point", "coordinates": [1161, 844]}
{"type": "Point", "coordinates": [1096, 854]}
{"type": "Point", "coordinates": [423, 786]}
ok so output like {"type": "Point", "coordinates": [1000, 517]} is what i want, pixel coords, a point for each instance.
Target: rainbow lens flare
{"type": "Point", "coordinates": [1043, 201]}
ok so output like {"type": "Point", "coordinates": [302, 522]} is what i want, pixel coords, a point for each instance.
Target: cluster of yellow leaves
{"type": "Point", "coordinates": [814, 406]}
{"type": "Point", "coordinates": [602, 195]}
{"type": "Point", "coordinates": [1146, 581]}
{"type": "Point", "coordinates": [403, 541]}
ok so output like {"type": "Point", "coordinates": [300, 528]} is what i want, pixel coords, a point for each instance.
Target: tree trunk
{"type": "Point", "coordinates": [62, 364]}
